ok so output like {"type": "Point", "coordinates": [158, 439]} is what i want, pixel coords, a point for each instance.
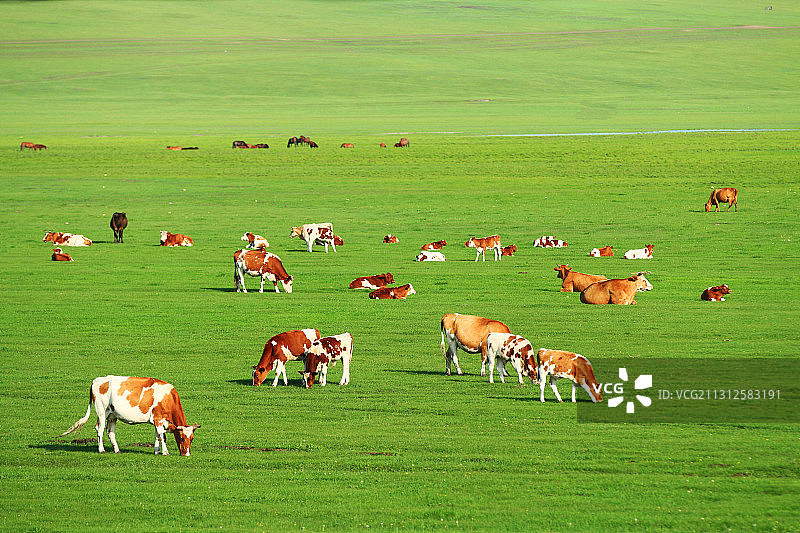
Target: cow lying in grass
{"type": "Point", "coordinates": [616, 291]}
{"type": "Point", "coordinates": [715, 294]}
{"type": "Point", "coordinates": [575, 281]}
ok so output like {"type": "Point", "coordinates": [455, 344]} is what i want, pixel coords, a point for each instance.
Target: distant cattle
{"type": "Point", "coordinates": [485, 243]}
{"type": "Point", "coordinates": [715, 294]}
{"type": "Point", "coordinates": [283, 347]}
{"type": "Point", "coordinates": [640, 253]}
{"type": "Point", "coordinates": [437, 245]}
{"type": "Point", "coordinates": [372, 282]}
{"type": "Point", "coordinates": [509, 250]}
{"type": "Point", "coordinates": [725, 195]}
{"type": "Point", "coordinates": [58, 255]}
{"type": "Point", "coordinates": [393, 293]}
{"type": "Point", "coordinates": [616, 291]}
{"type": "Point", "coordinates": [548, 241]}
{"type": "Point", "coordinates": [119, 221]}
{"type": "Point", "coordinates": [260, 264]}
{"type": "Point", "coordinates": [403, 143]}
{"type": "Point", "coordinates": [605, 251]}
{"type": "Point", "coordinates": [390, 239]}
{"type": "Point", "coordinates": [60, 238]}
{"type": "Point", "coordinates": [315, 234]}
{"type": "Point", "coordinates": [469, 333]}
{"type": "Point", "coordinates": [430, 256]}
{"type": "Point", "coordinates": [39, 147]}
{"type": "Point", "coordinates": [136, 400]}
{"type": "Point", "coordinates": [175, 239]}
{"type": "Point", "coordinates": [555, 364]}
{"type": "Point", "coordinates": [325, 352]}
{"type": "Point", "coordinates": [507, 347]}
{"type": "Point", "coordinates": [312, 144]}
{"type": "Point", "coordinates": [575, 281]}
{"type": "Point", "coordinates": [347, 145]}
{"type": "Point", "coordinates": [383, 145]}
{"type": "Point", "coordinates": [259, 145]}
{"type": "Point", "coordinates": [239, 144]}
{"type": "Point", "coordinates": [255, 241]}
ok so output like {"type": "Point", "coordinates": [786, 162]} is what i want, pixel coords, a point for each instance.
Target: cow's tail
{"type": "Point", "coordinates": [79, 424]}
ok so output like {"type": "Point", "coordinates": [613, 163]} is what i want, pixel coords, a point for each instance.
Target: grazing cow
{"type": "Point", "coordinates": [390, 239]}
{"type": "Point", "coordinates": [469, 333]}
{"type": "Point", "coordinates": [260, 263]}
{"type": "Point", "coordinates": [383, 145]}
{"type": "Point", "coordinates": [724, 195]}
{"type": "Point", "coordinates": [255, 241]}
{"type": "Point", "coordinates": [640, 253]}
{"type": "Point", "coordinates": [715, 294]}
{"type": "Point", "coordinates": [438, 245]}
{"type": "Point", "coordinates": [58, 255]}
{"type": "Point", "coordinates": [59, 238]}
{"type": "Point", "coordinates": [283, 347]}
{"type": "Point", "coordinates": [393, 293]}
{"type": "Point", "coordinates": [315, 234]}
{"type": "Point", "coordinates": [347, 145]}
{"type": "Point", "coordinates": [28, 145]}
{"type": "Point", "coordinates": [509, 250]}
{"type": "Point", "coordinates": [616, 291]}
{"type": "Point", "coordinates": [486, 243]}
{"type": "Point", "coordinates": [325, 352]}
{"type": "Point", "coordinates": [575, 281]}
{"type": "Point", "coordinates": [372, 282]}
{"type": "Point", "coordinates": [175, 239]}
{"type": "Point", "coordinates": [507, 347]}
{"type": "Point", "coordinates": [430, 256]}
{"type": "Point", "coordinates": [557, 364]}
{"type": "Point", "coordinates": [548, 241]}
{"type": "Point", "coordinates": [137, 400]}
{"type": "Point", "coordinates": [605, 251]}
{"type": "Point", "coordinates": [119, 221]}
{"type": "Point", "coordinates": [39, 147]}
{"type": "Point", "coordinates": [239, 144]}
{"type": "Point", "coordinates": [338, 240]}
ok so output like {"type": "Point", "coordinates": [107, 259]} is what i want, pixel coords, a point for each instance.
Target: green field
{"type": "Point", "coordinates": [403, 447]}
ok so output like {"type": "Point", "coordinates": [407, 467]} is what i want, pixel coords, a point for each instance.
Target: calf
{"type": "Point", "coordinates": [325, 352]}
{"type": "Point", "coordinates": [715, 294]}
{"type": "Point", "coordinates": [507, 347]}
{"type": "Point", "coordinates": [137, 400]}
{"type": "Point", "coordinates": [509, 250]}
{"type": "Point", "coordinates": [119, 221]}
{"type": "Point", "coordinates": [605, 251]}
{"type": "Point", "coordinates": [58, 255]}
{"type": "Point", "coordinates": [616, 291]}
{"type": "Point", "coordinates": [283, 347]}
{"type": "Point", "coordinates": [725, 195]}
{"type": "Point", "coordinates": [393, 293]}
{"type": "Point", "coordinates": [390, 239]}
{"type": "Point", "coordinates": [468, 332]}
{"type": "Point", "coordinates": [572, 366]}
{"type": "Point", "coordinates": [485, 243]}
{"type": "Point", "coordinates": [575, 281]}
{"type": "Point", "coordinates": [438, 245]}
{"type": "Point", "coordinates": [315, 234]}
{"type": "Point", "coordinates": [640, 253]}
{"type": "Point", "coordinates": [175, 239]}
{"type": "Point", "coordinates": [59, 238]}
{"type": "Point", "coordinates": [255, 241]}
{"type": "Point", "coordinates": [430, 256]}
{"type": "Point", "coordinates": [372, 282]}
{"type": "Point", "coordinates": [549, 242]}
{"type": "Point", "coordinates": [260, 263]}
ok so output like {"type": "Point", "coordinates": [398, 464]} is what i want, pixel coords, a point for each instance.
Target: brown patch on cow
{"type": "Point", "coordinates": [103, 387]}
{"type": "Point", "coordinates": [136, 387]}
{"type": "Point", "coordinates": [147, 401]}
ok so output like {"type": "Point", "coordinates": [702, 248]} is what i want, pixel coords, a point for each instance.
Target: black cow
{"type": "Point", "coordinates": [118, 223]}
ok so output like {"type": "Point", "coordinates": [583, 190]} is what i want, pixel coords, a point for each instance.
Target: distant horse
{"type": "Point", "coordinates": [725, 195]}
{"type": "Point", "coordinates": [293, 141]}
{"type": "Point", "coordinates": [259, 145]}
{"type": "Point", "coordinates": [383, 145]}
{"type": "Point", "coordinates": [174, 148]}
{"type": "Point", "coordinates": [39, 147]}
{"type": "Point", "coordinates": [403, 142]}
{"type": "Point", "coordinates": [239, 144]}
{"type": "Point", "coordinates": [312, 144]}
{"type": "Point", "coordinates": [30, 145]}
{"type": "Point", "coordinates": [347, 145]}
{"type": "Point", "coordinates": [119, 221]}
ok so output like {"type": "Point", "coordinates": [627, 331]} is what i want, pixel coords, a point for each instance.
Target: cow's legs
{"type": "Point", "coordinates": [112, 433]}
{"type": "Point", "coordinates": [574, 386]}
{"type": "Point", "coordinates": [261, 289]}
{"type": "Point", "coordinates": [278, 367]}
{"type": "Point", "coordinates": [160, 433]}
{"type": "Point", "coordinates": [101, 428]}
{"type": "Point", "coordinates": [309, 244]}
{"type": "Point", "coordinates": [156, 442]}
{"type": "Point", "coordinates": [492, 363]}
{"type": "Point", "coordinates": [333, 246]}
{"type": "Point", "coordinates": [477, 255]}
{"type": "Point", "coordinates": [553, 380]}
{"type": "Point", "coordinates": [345, 371]}
{"type": "Point", "coordinates": [238, 278]}
{"type": "Point", "coordinates": [484, 357]}
{"type": "Point", "coordinates": [323, 375]}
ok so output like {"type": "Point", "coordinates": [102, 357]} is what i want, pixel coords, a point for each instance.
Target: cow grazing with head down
{"type": "Point", "coordinates": [430, 256]}
{"type": "Point", "coordinates": [507, 347]}
{"type": "Point", "coordinates": [347, 145]}
{"type": "Point", "coordinates": [557, 364]}
{"type": "Point", "coordinates": [509, 250]}
{"type": "Point", "coordinates": [470, 333]}
{"type": "Point", "coordinates": [175, 239]}
{"type": "Point", "coordinates": [372, 282]}
{"type": "Point", "coordinates": [486, 243]}
{"type": "Point", "coordinates": [325, 352]}
{"type": "Point", "coordinates": [721, 196]}
{"type": "Point", "coordinates": [605, 251]}
{"type": "Point", "coordinates": [60, 238]}
{"type": "Point", "coordinates": [616, 291]}
{"type": "Point", "coordinates": [58, 255]}
{"type": "Point", "coordinates": [393, 293]}
{"type": "Point", "coordinates": [715, 294]}
{"type": "Point", "coordinates": [136, 400]}
{"type": "Point", "coordinates": [283, 347]}
{"type": "Point", "coordinates": [255, 241]}
{"type": "Point", "coordinates": [262, 264]}
{"type": "Point", "coordinates": [437, 245]}
{"type": "Point", "coordinates": [119, 221]}
{"type": "Point", "coordinates": [548, 241]}
{"type": "Point", "coordinates": [575, 281]}
{"type": "Point", "coordinates": [315, 234]}
{"type": "Point", "coordinates": [640, 253]}
{"type": "Point", "coordinates": [390, 239]}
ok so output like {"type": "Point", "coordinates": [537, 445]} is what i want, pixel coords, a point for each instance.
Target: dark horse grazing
{"type": "Point", "coordinates": [118, 223]}
{"type": "Point", "coordinates": [293, 141]}
{"type": "Point", "coordinates": [31, 146]}
{"type": "Point", "coordinates": [239, 144]}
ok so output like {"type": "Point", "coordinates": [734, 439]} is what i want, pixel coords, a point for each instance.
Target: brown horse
{"type": "Point", "coordinates": [30, 145]}
{"type": "Point", "coordinates": [174, 148]}
{"type": "Point", "coordinates": [119, 221]}
{"type": "Point", "coordinates": [239, 144]}
{"type": "Point", "coordinates": [347, 145]}
{"type": "Point", "coordinates": [39, 147]}
{"type": "Point", "coordinates": [726, 195]}
{"type": "Point", "coordinates": [312, 144]}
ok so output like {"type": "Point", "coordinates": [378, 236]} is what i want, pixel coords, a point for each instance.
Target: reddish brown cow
{"type": "Point", "coordinates": [347, 145]}
{"type": "Point", "coordinates": [58, 255]}
{"type": "Point", "coordinates": [715, 294]}
{"type": "Point", "coordinates": [575, 281]}
{"type": "Point", "coordinates": [616, 291]}
{"type": "Point", "coordinates": [485, 243]}
{"type": "Point", "coordinates": [260, 263]}
{"type": "Point", "coordinates": [119, 221]}
{"type": "Point", "coordinates": [283, 347]}
{"type": "Point", "coordinates": [372, 282]}
{"type": "Point", "coordinates": [393, 293]}
{"type": "Point", "coordinates": [509, 250]}
{"type": "Point", "coordinates": [605, 251]}
{"type": "Point", "coordinates": [383, 145]}
{"type": "Point", "coordinates": [66, 239]}
{"type": "Point", "coordinates": [175, 239]}
{"type": "Point", "coordinates": [325, 352]}
{"type": "Point", "coordinates": [437, 245]}
{"type": "Point", "coordinates": [174, 148]}
{"type": "Point", "coordinates": [572, 366]}
{"type": "Point", "coordinates": [468, 332]}
{"type": "Point", "coordinates": [724, 195]}
{"type": "Point", "coordinates": [390, 239]}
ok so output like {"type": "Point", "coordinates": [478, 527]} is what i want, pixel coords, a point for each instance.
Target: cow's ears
{"type": "Point", "coordinates": [300, 372]}
{"type": "Point", "coordinates": [195, 426]}
{"type": "Point", "coordinates": [632, 278]}
{"type": "Point", "coordinates": [254, 367]}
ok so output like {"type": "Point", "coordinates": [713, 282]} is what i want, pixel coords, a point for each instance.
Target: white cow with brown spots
{"type": "Point", "coordinates": [175, 239]}
{"type": "Point", "coordinates": [60, 238]}
{"type": "Point", "coordinates": [315, 234]}
{"type": "Point", "coordinates": [507, 347]}
{"type": "Point", "coordinates": [557, 364]}
{"type": "Point", "coordinates": [255, 241]}
{"type": "Point", "coordinates": [325, 352]}
{"type": "Point", "coordinates": [136, 400]}
{"type": "Point", "coordinates": [486, 243]}
{"type": "Point", "coordinates": [468, 332]}
{"type": "Point", "coordinates": [283, 347]}
{"type": "Point", "coordinates": [263, 264]}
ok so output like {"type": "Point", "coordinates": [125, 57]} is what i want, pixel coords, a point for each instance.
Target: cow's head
{"type": "Point", "coordinates": [641, 282]}
{"type": "Point", "coordinates": [724, 289]}
{"type": "Point", "coordinates": [247, 237]}
{"type": "Point", "coordinates": [470, 243]}
{"type": "Point", "coordinates": [708, 206]}
{"type": "Point", "coordinates": [260, 374]}
{"type": "Point", "coordinates": [295, 232]}
{"type": "Point", "coordinates": [388, 277]}
{"type": "Point", "coordinates": [410, 289]}
{"type": "Point", "coordinates": [562, 270]}
{"type": "Point", "coordinates": [183, 436]}
{"type": "Point", "coordinates": [287, 284]}
{"type": "Point", "coordinates": [164, 235]}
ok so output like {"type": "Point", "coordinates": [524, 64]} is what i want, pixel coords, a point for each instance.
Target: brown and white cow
{"type": "Point", "coordinates": [255, 241]}
{"type": "Point", "coordinates": [325, 352]}
{"type": "Point", "coordinates": [725, 195]}
{"type": "Point", "coordinates": [507, 347]}
{"type": "Point", "coordinates": [548, 241]}
{"type": "Point", "coordinates": [390, 239]}
{"type": "Point", "coordinates": [260, 263]}
{"type": "Point", "coordinates": [59, 238]}
{"type": "Point", "coordinates": [283, 347]}
{"type": "Point", "coordinates": [119, 221]}
{"type": "Point", "coordinates": [715, 294]}
{"type": "Point", "coordinates": [58, 255]}
{"type": "Point", "coordinates": [640, 253]}
{"type": "Point", "coordinates": [372, 282]}
{"type": "Point", "coordinates": [616, 291]}
{"type": "Point", "coordinates": [575, 281]}
{"type": "Point", "coordinates": [557, 364]}
{"type": "Point", "coordinates": [430, 256]}
{"type": "Point", "coordinates": [485, 243]}
{"type": "Point", "coordinates": [605, 251]}
{"type": "Point", "coordinates": [437, 245]}
{"type": "Point", "coordinates": [315, 234]}
{"type": "Point", "coordinates": [509, 250]}
{"type": "Point", "coordinates": [468, 332]}
{"type": "Point", "coordinates": [136, 400]}
{"type": "Point", "coordinates": [393, 293]}
{"type": "Point", "coordinates": [175, 239]}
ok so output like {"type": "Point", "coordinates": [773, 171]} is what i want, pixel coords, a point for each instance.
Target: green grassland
{"type": "Point", "coordinates": [403, 447]}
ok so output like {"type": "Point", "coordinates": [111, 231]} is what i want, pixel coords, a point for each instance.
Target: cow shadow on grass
{"type": "Point", "coordinates": [90, 446]}
{"type": "Point", "coordinates": [267, 384]}
{"type": "Point", "coordinates": [418, 372]}
{"type": "Point", "coordinates": [535, 398]}
{"type": "Point", "coordinates": [225, 289]}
